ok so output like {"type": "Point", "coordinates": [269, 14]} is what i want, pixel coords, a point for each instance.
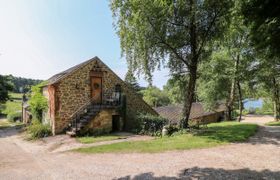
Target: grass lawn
{"type": "Point", "coordinates": [12, 106]}
{"type": "Point", "coordinates": [16, 96]}
{"type": "Point", "coordinates": [273, 123]}
{"type": "Point", "coordinates": [6, 124]}
{"type": "Point", "coordinates": [216, 134]}
{"type": "Point", "coordinates": [94, 139]}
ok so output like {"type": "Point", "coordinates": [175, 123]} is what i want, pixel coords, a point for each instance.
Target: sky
{"type": "Point", "coordinates": [39, 38]}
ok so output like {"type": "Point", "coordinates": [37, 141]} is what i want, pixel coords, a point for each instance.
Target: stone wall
{"type": "Point", "coordinates": [74, 91]}
{"type": "Point", "coordinates": [102, 123]}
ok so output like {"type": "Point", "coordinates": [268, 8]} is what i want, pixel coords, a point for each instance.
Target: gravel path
{"type": "Point", "coordinates": [259, 158]}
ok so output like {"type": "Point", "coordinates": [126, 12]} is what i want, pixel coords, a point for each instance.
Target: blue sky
{"type": "Point", "coordinates": [39, 38]}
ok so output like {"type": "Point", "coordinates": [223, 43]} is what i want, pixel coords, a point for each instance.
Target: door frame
{"type": "Point", "coordinates": [91, 85]}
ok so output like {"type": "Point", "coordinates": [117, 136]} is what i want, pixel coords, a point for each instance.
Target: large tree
{"type": "Point", "coordinates": [175, 33]}
{"type": "Point", "coordinates": [5, 87]}
{"type": "Point", "coordinates": [263, 19]}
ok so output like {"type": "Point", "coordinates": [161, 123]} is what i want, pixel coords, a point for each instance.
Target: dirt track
{"type": "Point", "coordinates": [257, 159]}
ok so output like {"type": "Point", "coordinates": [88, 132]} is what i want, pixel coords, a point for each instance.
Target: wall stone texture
{"type": "Point", "coordinates": [102, 122]}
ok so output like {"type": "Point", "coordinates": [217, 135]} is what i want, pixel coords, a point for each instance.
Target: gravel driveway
{"type": "Point", "coordinates": [259, 158]}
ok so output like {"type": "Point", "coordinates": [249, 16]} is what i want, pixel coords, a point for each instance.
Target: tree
{"type": "Point", "coordinates": [5, 87]}
{"type": "Point", "coordinates": [263, 19]}
{"type": "Point", "coordinates": [227, 70]}
{"type": "Point", "coordinates": [175, 33]}
{"type": "Point", "coordinates": [214, 84]}
{"type": "Point", "coordinates": [239, 49]}
{"type": "Point", "coordinates": [131, 80]}
{"type": "Point", "coordinates": [175, 88]}
{"type": "Point", "coordinates": [268, 77]}
{"type": "Point", "coordinates": [155, 97]}
{"type": "Point", "coordinates": [23, 85]}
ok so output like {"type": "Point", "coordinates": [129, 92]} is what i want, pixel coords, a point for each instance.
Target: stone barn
{"type": "Point", "coordinates": [90, 97]}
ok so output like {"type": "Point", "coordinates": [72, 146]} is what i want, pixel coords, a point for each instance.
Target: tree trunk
{"type": "Point", "coordinates": [189, 98]}
{"type": "Point", "coordinates": [276, 99]}
{"type": "Point", "coordinates": [192, 66]}
{"type": "Point", "coordinates": [240, 101]}
{"type": "Point", "coordinates": [232, 91]}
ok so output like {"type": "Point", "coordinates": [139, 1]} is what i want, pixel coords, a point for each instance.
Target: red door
{"type": "Point", "coordinates": [96, 89]}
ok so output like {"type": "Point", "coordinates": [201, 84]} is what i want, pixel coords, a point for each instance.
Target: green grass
{"type": "Point", "coordinates": [273, 123]}
{"type": "Point", "coordinates": [12, 106]}
{"type": "Point", "coordinates": [94, 139]}
{"type": "Point", "coordinates": [6, 124]}
{"type": "Point", "coordinates": [16, 96]}
{"type": "Point", "coordinates": [216, 134]}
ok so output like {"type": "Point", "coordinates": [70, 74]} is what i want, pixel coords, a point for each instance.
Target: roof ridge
{"type": "Point", "coordinates": [59, 76]}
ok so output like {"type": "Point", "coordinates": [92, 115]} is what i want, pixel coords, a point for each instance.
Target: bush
{"type": "Point", "coordinates": [38, 102]}
{"type": "Point", "coordinates": [150, 124]}
{"type": "Point", "coordinates": [14, 116]}
{"type": "Point", "coordinates": [38, 130]}
{"type": "Point", "coordinates": [171, 129]}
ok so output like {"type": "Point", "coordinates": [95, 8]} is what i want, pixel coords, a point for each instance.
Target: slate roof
{"type": "Point", "coordinates": [59, 76]}
{"type": "Point", "coordinates": [174, 112]}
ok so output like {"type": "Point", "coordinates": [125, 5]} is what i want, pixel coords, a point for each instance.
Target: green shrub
{"type": "Point", "coordinates": [38, 130]}
{"type": "Point", "coordinates": [14, 116]}
{"type": "Point", "coordinates": [171, 129]}
{"type": "Point", "coordinates": [150, 124]}
{"type": "Point", "coordinates": [38, 102]}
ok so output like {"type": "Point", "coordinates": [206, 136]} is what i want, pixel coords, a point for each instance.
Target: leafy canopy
{"type": "Point", "coordinates": [154, 33]}
{"type": "Point", "coordinates": [155, 97]}
{"type": "Point", "coordinates": [5, 87]}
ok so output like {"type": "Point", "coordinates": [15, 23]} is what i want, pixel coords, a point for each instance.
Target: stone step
{"type": "Point", "coordinates": [71, 133]}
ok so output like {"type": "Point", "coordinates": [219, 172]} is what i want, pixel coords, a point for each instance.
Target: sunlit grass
{"type": "Point", "coordinates": [94, 139]}
{"type": "Point", "coordinates": [273, 123]}
{"type": "Point", "coordinates": [6, 124]}
{"type": "Point", "coordinates": [216, 134]}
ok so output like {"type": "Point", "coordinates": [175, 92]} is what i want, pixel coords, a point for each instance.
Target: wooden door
{"type": "Point", "coordinates": [96, 89]}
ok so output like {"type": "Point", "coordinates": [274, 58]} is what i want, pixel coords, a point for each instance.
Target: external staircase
{"type": "Point", "coordinates": [81, 118]}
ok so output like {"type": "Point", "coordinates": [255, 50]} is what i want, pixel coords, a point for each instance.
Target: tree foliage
{"type": "Point", "coordinates": [131, 80]}
{"type": "Point", "coordinates": [175, 33]}
{"type": "Point", "coordinates": [175, 88]}
{"type": "Point", "coordinates": [215, 80]}
{"type": "Point", "coordinates": [38, 102]}
{"type": "Point", "coordinates": [262, 17]}
{"type": "Point", "coordinates": [5, 86]}
{"type": "Point", "coordinates": [155, 97]}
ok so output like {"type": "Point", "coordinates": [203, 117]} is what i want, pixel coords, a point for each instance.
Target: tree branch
{"type": "Point", "coordinates": [162, 41]}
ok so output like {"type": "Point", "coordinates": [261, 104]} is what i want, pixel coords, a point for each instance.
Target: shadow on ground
{"type": "Point", "coordinates": [10, 131]}
{"type": "Point", "coordinates": [265, 136]}
{"type": "Point", "coordinates": [209, 174]}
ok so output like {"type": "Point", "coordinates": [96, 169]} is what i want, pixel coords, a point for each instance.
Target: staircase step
{"type": "Point", "coordinates": [71, 133]}
{"type": "Point", "coordinates": [84, 119]}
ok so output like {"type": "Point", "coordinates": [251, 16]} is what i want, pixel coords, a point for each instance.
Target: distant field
{"type": "Point", "coordinates": [13, 105]}
{"type": "Point", "coordinates": [16, 96]}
